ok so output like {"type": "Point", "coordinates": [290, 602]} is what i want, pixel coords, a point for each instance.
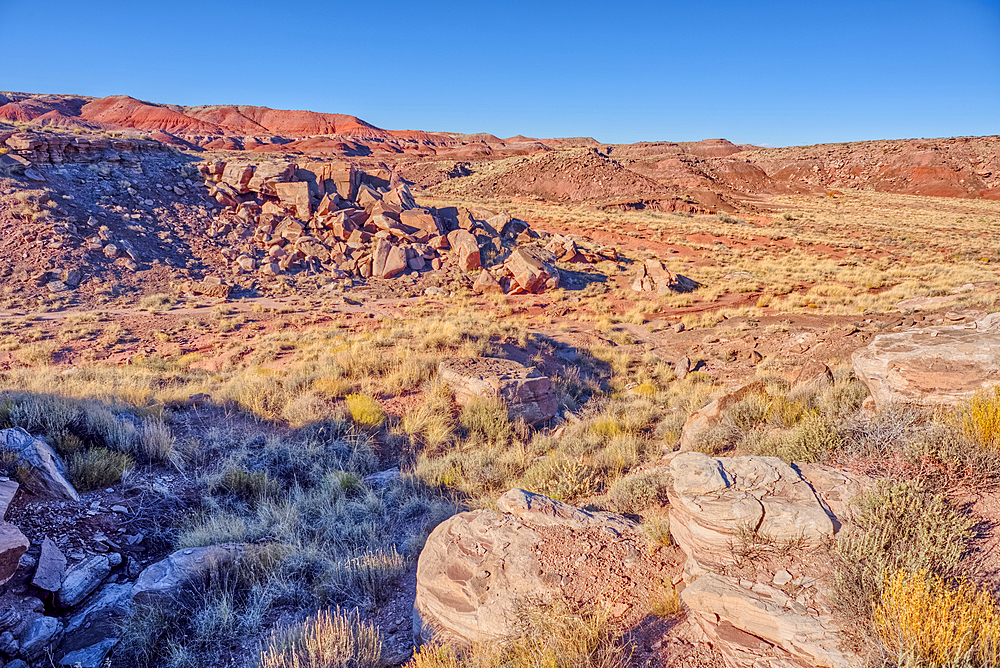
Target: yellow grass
{"type": "Point", "coordinates": [922, 617]}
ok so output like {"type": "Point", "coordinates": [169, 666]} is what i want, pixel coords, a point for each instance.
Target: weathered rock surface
{"type": "Point", "coordinates": [85, 577]}
{"type": "Point", "coordinates": [652, 276]}
{"type": "Point", "coordinates": [43, 633]}
{"type": "Point", "coordinates": [47, 471]}
{"type": "Point", "coordinates": [12, 545]}
{"type": "Point", "coordinates": [529, 272]}
{"type": "Point", "coordinates": [527, 393]}
{"type": "Point", "coordinates": [8, 488]}
{"type": "Point", "coordinates": [934, 366]}
{"type": "Point", "coordinates": [91, 633]}
{"type": "Point", "coordinates": [716, 505]}
{"type": "Point", "coordinates": [51, 567]}
{"type": "Point", "coordinates": [539, 510]}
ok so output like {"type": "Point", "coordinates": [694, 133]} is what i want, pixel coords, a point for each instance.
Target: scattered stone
{"type": "Point", "coordinates": [84, 578]}
{"type": "Point", "coordinates": [529, 272]}
{"type": "Point", "coordinates": [44, 633]}
{"type": "Point", "coordinates": [654, 277]}
{"type": "Point", "coordinates": [486, 284]}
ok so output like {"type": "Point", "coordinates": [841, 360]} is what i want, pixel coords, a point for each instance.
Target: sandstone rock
{"type": "Point", "coordinates": [530, 272]}
{"type": "Point", "coordinates": [246, 263]}
{"type": "Point", "coordinates": [212, 288]}
{"type": "Point", "coordinates": [771, 616]}
{"type": "Point", "coordinates": [714, 500]}
{"type": "Point", "coordinates": [269, 174]}
{"type": "Point", "coordinates": [528, 394]}
{"type": "Point", "coordinates": [13, 544]}
{"type": "Point", "coordinates": [541, 511]}
{"type": "Point", "coordinates": [934, 366]}
{"type": "Point", "coordinates": [471, 575]}
{"type": "Point", "coordinates": [42, 634]}
{"type": "Point", "coordinates": [238, 176]}
{"type": "Point", "coordinates": [486, 284]}
{"type": "Point", "coordinates": [295, 195]}
{"type": "Point", "coordinates": [422, 220]}
{"type": "Point", "coordinates": [48, 474]}
{"type": "Point", "coordinates": [8, 488]}
{"type": "Point", "coordinates": [171, 576]}
{"type": "Point", "coordinates": [51, 567]}
{"type": "Point", "coordinates": [388, 261]}
{"type": "Point", "coordinates": [652, 276]}
{"type": "Point", "coordinates": [84, 578]}
{"type": "Point", "coordinates": [703, 420]}
{"type": "Point", "coordinates": [465, 248]}
{"type": "Point", "coordinates": [813, 375]}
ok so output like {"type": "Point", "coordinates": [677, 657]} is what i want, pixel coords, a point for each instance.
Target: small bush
{"type": "Point", "coordinates": [487, 417]}
{"type": "Point", "coordinates": [666, 602]}
{"type": "Point", "coordinates": [364, 410]}
{"type": "Point", "coordinates": [368, 578]}
{"type": "Point", "coordinates": [899, 526]}
{"type": "Point", "coordinates": [920, 618]}
{"type": "Point", "coordinates": [980, 418]}
{"type": "Point", "coordinates": [636, 493]}
{"type": "Point", "coordinates": [809, 441]}
{"type": "Point", "coordinates": [157, 302]}
{"type": "Point", "coordinates": [157, 442]}
{"type": "Point", "coordinates": [325, 640]}
{"type": "Point", "coordinates": [248, 487]}
{"type": "Point", "coordinates": [567, 481]}
{"type": "Point", "coordinates": [97, 468]}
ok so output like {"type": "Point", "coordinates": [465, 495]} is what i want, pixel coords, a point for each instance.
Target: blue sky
{"type": "Point", "coordinates": [769, 73]}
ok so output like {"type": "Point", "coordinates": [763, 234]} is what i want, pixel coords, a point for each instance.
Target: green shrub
{"type": "Point", "coordinates": [899, 527]}
{"type": "Point", "coordinates": [487, 417]}
{"type": "Point", "coordinates": [364, 410]}
{"type": "Point", "coordinates": [325, 640]}
{"type": "Point", "coordinates": [96, 468]}
{"type": "Point", "coordinates": [809, 441]}
{"type": "Point", "coordinates": [636, 493]}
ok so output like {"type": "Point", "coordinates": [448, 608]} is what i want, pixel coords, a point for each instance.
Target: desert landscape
{"type": "Point", "coordinates": [285, 389]}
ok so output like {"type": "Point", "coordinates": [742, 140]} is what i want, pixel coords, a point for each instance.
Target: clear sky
{"type": "Point", "coordinates": [768, 73]}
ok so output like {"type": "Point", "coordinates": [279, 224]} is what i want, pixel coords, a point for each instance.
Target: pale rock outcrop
{"type": "Point", "coordinates": [47, 471]}
{"type": "Point", "coordinates": [716, 503]}
{"type": "Point", "coordinates": [652, 276]}
{"type": "Point", "coordinates": [703, 420]}
{"type": "Point", "coordinates": [933, 366]}
{"type": "Point", "coordinates": [528, 394]}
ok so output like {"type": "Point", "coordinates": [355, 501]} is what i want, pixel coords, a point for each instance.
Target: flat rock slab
{"type": "Point", "coordinates": [541, 511]}
{"type": "Point", "coordinates": [8, 488]}
{"type": "Point", "coordinates": [933, 366]}
{"type": "Point", "coordinates": [51, 567]}
{"type": "Point", "coordinates": [186, 567]}
{"type": "Point", "coordinates": [527, 393]}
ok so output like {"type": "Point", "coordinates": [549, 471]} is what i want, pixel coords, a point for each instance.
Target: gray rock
{"type": "Point", "coordinates": [51, 567]}
{"type": "Point", "coordinates": [171, 576]}
{"type": "Point", "coordinates": [8, 488]}
{"type": "Point", "coordinates": [383, 478]}
{"type": "Point", "coordinates": [17, 663]}
{"type": "Point", "coordinates": [42, 634]}
{"type": "Point", "coordinates": [99, 624]}
{"type": "Point", "coordinates": [933, 366]}
{"type": "Point", "coordinates": [9, 645]}
{"type": "Point", "coordinates": [528, 394]}
{"type": "Point", "coordinates": [48, 473]}
{"type": "Point", "coordinates": [13, 545]}
{"type": "Point", "coordinates": [89, 657]}
{"type": "Point", "coordinates": [84, 578]}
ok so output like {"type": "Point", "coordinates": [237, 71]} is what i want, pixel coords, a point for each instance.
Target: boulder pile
{"type": "Point", "coordinates": [327, 217]}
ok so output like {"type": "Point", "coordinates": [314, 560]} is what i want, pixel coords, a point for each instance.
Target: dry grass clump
{"type": "Point", "coordinates": [550, 636]}
{"type": "Point", "coordinates": [979, 418]}
{"type": "Point", "coordinates": [157, 302]}
{"type": "Point", "coordinates": [96, 468]}
{"type": "Point", "coordinates": [365, 410]}
{"type": "Point", "coordinates": [924, 620]}
{"type": "Point", "coordinates": [487, 418]}
{"type": "Point", "coordinates": [328, 639]}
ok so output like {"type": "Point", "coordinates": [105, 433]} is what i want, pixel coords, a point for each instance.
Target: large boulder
{"type": "Point", "coordinates": [465, 248]}
{"type": "Point", "coordinates": [933, 366]}
{"type": "Point", "coordinates": [13, 544]}
{"type": "Point", "coordinates": [268, 175]}
{"type": "Point", "coordinates": [388, 261]}
{"type": "Point", "coordinates": [46, 471]}
{"type": "Point", "coordinates": [529, 272]}
{"type": "Point", "coordinates": [528, 394]}
{"type": "Point", "coordinates": [479, 568]}
{"type": "Point", "coordinates": [295, 195]}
